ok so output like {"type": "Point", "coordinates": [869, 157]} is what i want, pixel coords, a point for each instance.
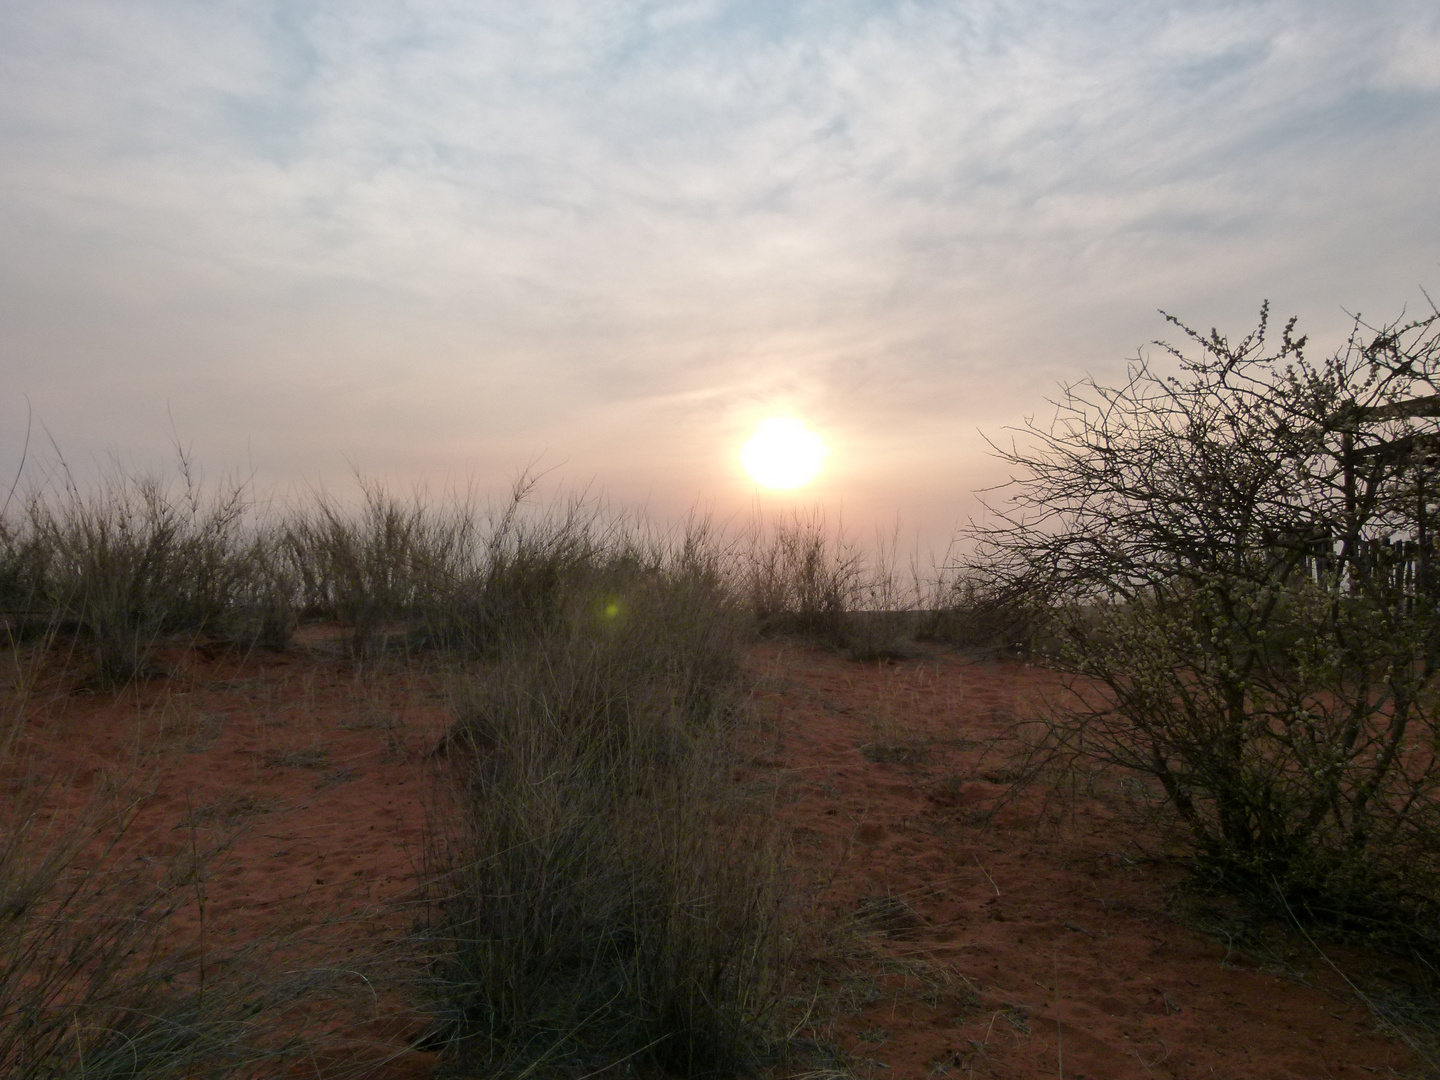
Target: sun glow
{"type": "Point", "coordinates": [783, 453]}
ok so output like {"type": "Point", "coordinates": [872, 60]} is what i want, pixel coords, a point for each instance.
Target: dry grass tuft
{"type": "Point", "coordinates": [91, 984]}
{"type": "Point", "coordinates": [599, 895]}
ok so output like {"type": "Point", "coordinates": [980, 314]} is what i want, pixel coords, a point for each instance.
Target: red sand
{"type": "Point", "coordinates": [1058, 938]}
{"type": "Point", "coordinates": [971, 951]}
{"type": "Point", "coordinates": [315, 770]}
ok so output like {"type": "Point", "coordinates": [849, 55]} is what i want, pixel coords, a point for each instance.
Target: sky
{"type": "Point", "coordinates": [438, 242]}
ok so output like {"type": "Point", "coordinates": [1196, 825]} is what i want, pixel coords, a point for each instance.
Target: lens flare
{"type": "Point", "coordinates": [783, 454]}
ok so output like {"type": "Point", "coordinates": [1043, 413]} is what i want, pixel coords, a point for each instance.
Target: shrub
{"type": "Point", "coordinates": [1241, 561]}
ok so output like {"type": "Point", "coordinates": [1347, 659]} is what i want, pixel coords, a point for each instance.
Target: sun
{"type": "Point", "coordinates": [783, 453]}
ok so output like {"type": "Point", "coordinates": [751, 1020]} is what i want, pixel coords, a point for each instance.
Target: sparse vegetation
{"type": "Point", "coordinates": [392, 563]}
{"type": "Point", "coordinates": [1235, 564]}
{"type": "Point", "coordinates": [804, 579]}
{"type": "Point", "coordinates": [599, 894]}
{"type": "Point", "coordinates": [605, 887]}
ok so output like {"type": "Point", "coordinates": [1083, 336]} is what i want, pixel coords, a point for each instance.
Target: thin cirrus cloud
{"type": "Point", "coordinates": [435, 237]}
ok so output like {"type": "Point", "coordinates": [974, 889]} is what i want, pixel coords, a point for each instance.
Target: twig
{"type": "Point", "coordinates": [24, 453]}
{"type": "Point", "coordinates": [987, 875]}
{"type": "Point", "coordinates": [199, 893]}
{"type": "Point", "coordinates": [1059, 1035]}
{"type": "Point", "coordinates": [1375, 1011]}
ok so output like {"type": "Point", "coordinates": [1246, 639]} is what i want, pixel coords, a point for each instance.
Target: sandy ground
{"type": "Point", "coordinates": [308, 774]}
{"type": "Point", "coordinates": [961, 944]}
{"type": "Point", "coordinates": [1028, 945]}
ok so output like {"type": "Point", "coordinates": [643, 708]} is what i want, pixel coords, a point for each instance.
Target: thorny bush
{"type": "Point", "coordinates": [1241, 560]}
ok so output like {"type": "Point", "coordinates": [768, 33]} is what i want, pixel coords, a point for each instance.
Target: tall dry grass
{"type": "Point", "coordinates": [106, 970]}
{"type": "Point", "coordinates": [124, 563]}
{"type": "Point", "coordinates": [600, 895]}
{"type": "Point", "coordinates": [390, 561]}
{"type": "Point", "coordinates": [803, 577]}
{"type": "Point", "coordinates": [974, 613]}
{"type": "Point", "coordinates": [597, 892]}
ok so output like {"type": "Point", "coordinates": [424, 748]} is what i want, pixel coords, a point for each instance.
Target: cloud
{"type": "Point", "coordinates": [615, 227]}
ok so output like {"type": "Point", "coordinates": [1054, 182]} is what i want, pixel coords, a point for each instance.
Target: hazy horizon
{"type": "Point", "coordinates": [434, 242]}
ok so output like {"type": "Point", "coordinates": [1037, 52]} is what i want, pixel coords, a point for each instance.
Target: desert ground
{"type": "Point", "coordinates": [954, 927]}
